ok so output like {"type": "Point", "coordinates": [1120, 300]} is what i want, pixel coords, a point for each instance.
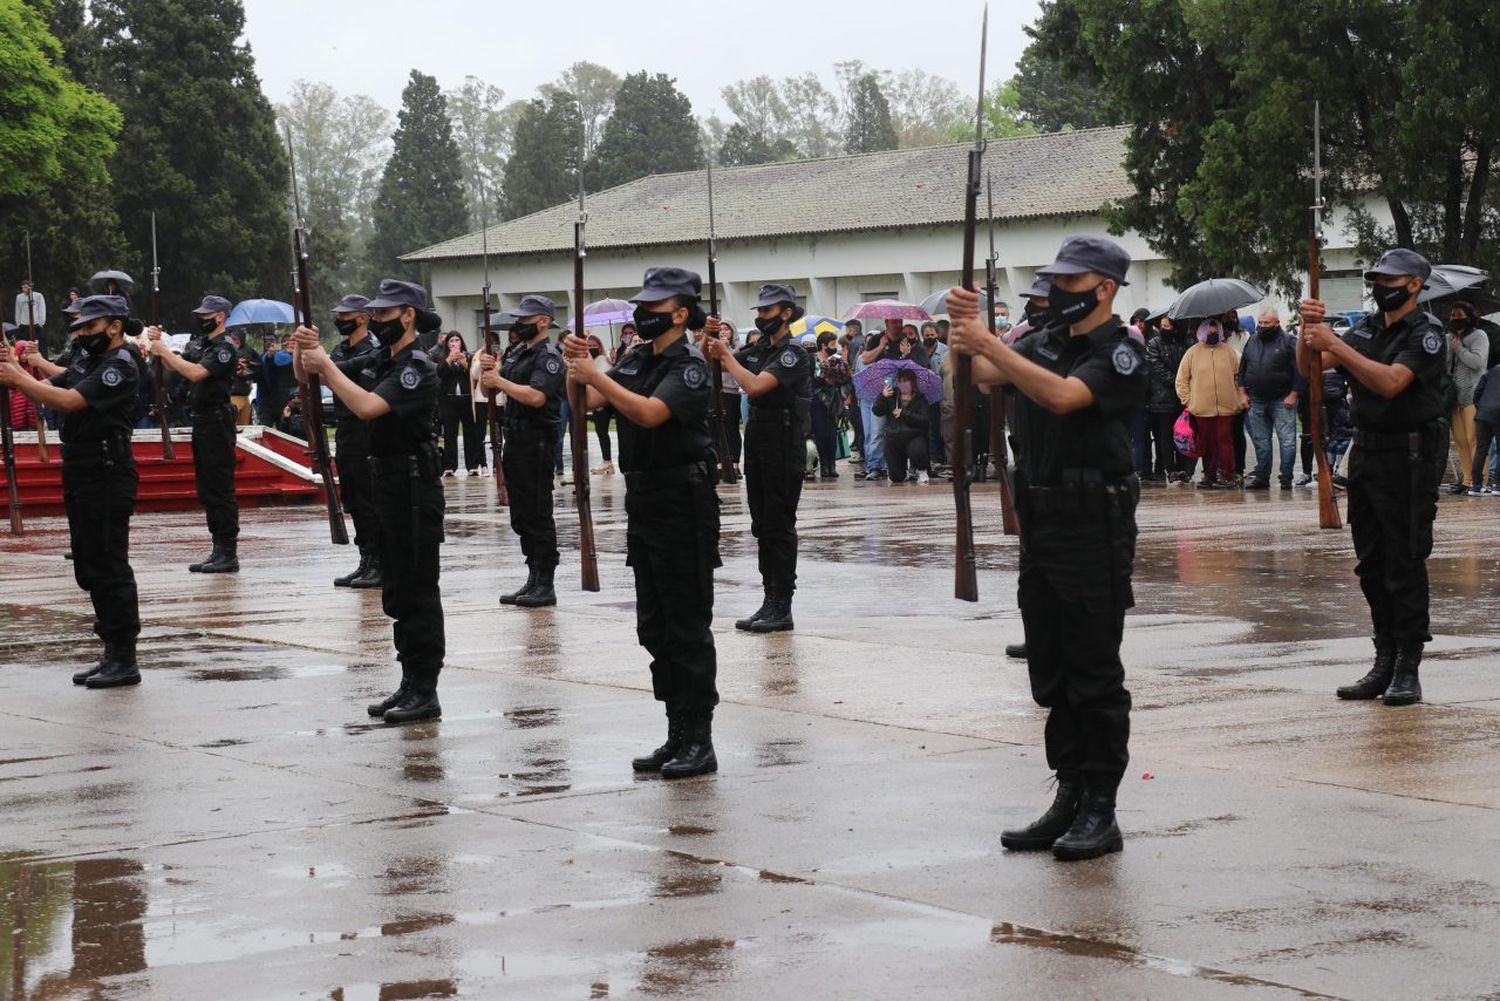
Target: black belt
{"type": "Point", "coordinates": [532, 430]}
{"type": "Point", "coordinates": [111, 448]}
{"type": "Point", "coordinates": [1078, 494]}
{"type": "Point", "coordinates": [672, 476]}
{"type": "Point", "coordinates": [419, 463]}
{"type": "Point", "coordinates": [1395, 441]}
{"type": "Point", "coordinates": [219, 410]}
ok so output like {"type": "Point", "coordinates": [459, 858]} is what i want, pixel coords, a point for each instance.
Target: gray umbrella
{"type": "Point", "coordinates": [1214, 297]}
{"type": "Point", "coordinates": [936, 305]}
{"type": "Point", "coordinates": [120, 278]}
{"type": "Point", "coordinates": [1451, 279]}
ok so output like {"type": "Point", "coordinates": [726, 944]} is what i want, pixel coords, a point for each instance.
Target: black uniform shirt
{"type": "Point", "coordinates": [789, 363]}
{"type": "Point", "coordinates": [108, 382]}
{"type": "Point", "coordinates": [359, 363]}
{"type": "Point", "coordinates": [217, 355]}
{"type": "Point", "coordinates": [678, 377]}
{"type": "Point", "coordinates": [408, 381]}
{"type": "Point", "coordinates": [1416, 341]}
{"type": "Point", "coordinates": [1098, 437]}
{"type": "Point", "coordinates": [540, 367]}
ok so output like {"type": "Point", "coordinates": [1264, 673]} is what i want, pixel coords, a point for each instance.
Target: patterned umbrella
{"type": "Point", "coordinates": [816, 325]}
{"type": "Point", "coordinates": [869, 382]}
{"type": "Point", "coordinates": [886, 309]}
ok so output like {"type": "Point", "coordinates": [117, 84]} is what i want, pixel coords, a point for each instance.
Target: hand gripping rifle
{"type": "Point", "coordinates": [492, 407]}
{"type": "Point", "coordinates": [578, 399]}
{"type": "Point", "coordinates": [41, 420]}
{"type": "Point", "coordinates": [158, 368]}
{"type": "Point", "coordinates": [311, 390]}
{"type": "Point", "coordinates": [965, 575]}
{"type": "Point", "coordinates": [727, 472]}
{"type": "Point", "coordinates": [1008, 521]}
{"type": "Point", "coordinates": [8, 445]}
{"type": "Point", "coordinates": [1312, 361]}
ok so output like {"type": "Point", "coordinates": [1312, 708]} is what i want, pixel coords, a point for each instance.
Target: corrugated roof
{"type": "Point", "coordinates": [1061, 174]}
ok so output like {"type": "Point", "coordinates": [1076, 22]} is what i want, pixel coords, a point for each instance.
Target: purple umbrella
{"type": "Point", "coordinates": [608, 311]}
{"type": "Point", "coordinates": [869, 382]}
{"type": "Point", "coordinates": [886, 309]}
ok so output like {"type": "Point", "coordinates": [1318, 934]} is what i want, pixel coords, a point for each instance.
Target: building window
{"type": "Point", "coordinates": [872, 296]}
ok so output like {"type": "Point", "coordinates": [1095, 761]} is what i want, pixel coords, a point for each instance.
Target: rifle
{"type": "Point", "coordinates": [965, 573]}
{"type": "Point", "coordinates": [8, 444]}
{"type": "Point", "coordinates": [311, 391]}
{"type": "Point", "coordinates": [727, 472]}
{"type": "Point", "coordinates": [492, 408]}
{"type": "Point", "coordinates": [578, 401]}
{"type": "Point", "coordinates": [41, 420]}
{"type": "Point", "coordinates": [1312, 361]}
{"type": "Point", "coordinates": [158, 368]}
{"type": "Point", "coordinates": [1009, 524]}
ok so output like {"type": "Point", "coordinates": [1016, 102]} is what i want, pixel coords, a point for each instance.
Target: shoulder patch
{"type": "Point", "coordinates": [552, 365]}
{"type": "Point", "coordinates": [1125, 359]}
{"type": "Point", "coordinates": [111, 377]}
{"type": "Point", "coordinates": [409, 378]}
{"type": "Point", "coordinates": [224, 355]}
{"type": "Point", "coordinates": [1432, 342]}
{"type": "Point", "coordinates": [788, 358]}
{"type": "Point", "coordinates": [693, 376]}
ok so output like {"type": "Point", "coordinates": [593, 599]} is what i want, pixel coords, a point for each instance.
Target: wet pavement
{"type": "Point", "coordinates": [237, 828]}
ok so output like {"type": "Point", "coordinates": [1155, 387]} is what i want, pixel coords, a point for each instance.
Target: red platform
{"type": "Point", "coordinates": [270, 468]}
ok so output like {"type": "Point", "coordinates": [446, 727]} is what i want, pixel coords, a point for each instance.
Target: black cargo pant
{"type": "Point", "coordinates": [99, 489]}
{"type": "Point", "coordinates": [408, 494]}
{"type": "Point", "coordinates": [1077, 555]}
{"type": "Point", "coordinates": [213, 471]}
{"type": "Point", "coordinates": [352, 455]}
{"type": "Point", "coordinates": [528, 476]}
{"type": "Point", "coordinates": [672, 545]}
{"type": "Point", "coordinates": [774, 459]}
{"type": "Point", "coordinates": [1393, 497]}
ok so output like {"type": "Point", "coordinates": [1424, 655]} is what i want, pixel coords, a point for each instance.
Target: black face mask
{"type": "Point", "coordinates": [768, 325]}
{"type": "Point", "coordinates": [649, 326]}
{"type": "Point", "coordinates": [1270, 333]}
{"type": "Point", "coordinates": [1388, 299]}
{"type": "Point", "coordinates": [526, 331]}
{"type": "Point", "coordinates": [1072, 307]}
{"type": "Point", "coordinates": [1212, 338]}
{"type": "Point", "coordinates": [388, 331]}
{"type": "Point", "coordinates": [93, 343]}
{"type": "Point", "coordinates": [207, 324]}
{"type": "Point", "coordinates": [1037, 316]}
{"type": "Point", "coordinates": [1459, 324]}
{"type": "Point", "coordinates": [929, 343]}
{"type": "Point", "coordinates": [345, 327]}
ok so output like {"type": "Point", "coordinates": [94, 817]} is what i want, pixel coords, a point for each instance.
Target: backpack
{"type": "Point", "coordinates": [1185, 437]}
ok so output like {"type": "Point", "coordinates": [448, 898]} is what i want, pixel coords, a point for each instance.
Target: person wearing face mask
{"type": "Point", "coordinates": [96, 396]}
{"type": "Point", "coordinates": [405, 468]}
{"type": "Point", "coordinates": [357, 356]}
{"type": "Point", "coordinates": [776, 374]}
{"type": "Point", "coordinates": [1163, 357]}
{"type": "Point", "coordinates": [1205, 386]}
{"type": "Point", "coordinates": [662, 392]}
{"type": "Point", "coordinates": [533, 379]}
{"type": "Point", "coordinates": [1395, 359]}
{"type": "Point", "coordinates": [1267, 381]}
{"type": "Point", "coordinates": [1081, 382]}
{"type": "Point", "coordinates": [209, 370]}
{"type": "Point", "coordinates": [1468, 352]}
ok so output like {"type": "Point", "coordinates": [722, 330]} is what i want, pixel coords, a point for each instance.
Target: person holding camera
{"type": "Point", "coordinates": [906, 428]}
{"type": "Point", "coordinates": [458, 409]}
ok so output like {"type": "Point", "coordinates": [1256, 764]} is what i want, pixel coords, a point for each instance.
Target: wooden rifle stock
{"type": "Point", "coordinates": [158, 367]}
{"type": "Point", "coordinates": [492, 414]}
{"type": "Point", "coordinates": [1312, 364]}
{"type": "Point", "coordinates": [578, 401]}
{"type": "Point", "coordinates": [8, 445]}
{"type": "Point", "coordinates": [998, 445]}
{"type": "Point", "coordinates": [42, 455]}
{"type": "Point", "coordinates": [727, 472]}
{"type": "Point", "coordinates": [311, 392]}
{"type": "Point", "coordinates": [965, 573]}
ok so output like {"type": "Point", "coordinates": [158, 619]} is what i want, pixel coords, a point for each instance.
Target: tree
{"type": "Point", "coordinates": [650, 131]}
{"type": "Point", "coordinates": [199, 148]}
{"type": "Point", "coordinates": [758, 105]}
{"type": "Point", "coordinates": [420, 200]}
{"type": "Point", "coordinates": [543, 167]}
{"type": "Point", "coordinates": [743, 148]}
{"type": "Point", "coordinates": [868, 128]}
{"type": "Point", "coordinates": [812, 116]}
{"type": "Point", "coordinates": [923, 107]}
{"type": "Point", "coordinates": [1002, 116]}
{"type": "Point", "coordinates": [1054, 100]}
{"type": "Point", "coordinates": [594, 88]}
{"type": "Point", "coordinates": [481, 128]}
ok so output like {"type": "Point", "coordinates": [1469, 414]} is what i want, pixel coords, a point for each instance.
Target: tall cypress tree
{"type": "Point", "coordinates": [543, 167]}
{"type": "Point", "coordinates": [870, 128]}
{"type": "Point", "coordinates": [199, 148]}
{"type": "Point", "coordinates": [650, 131]}
{"type": "Point", "coordinates": [421, 197]}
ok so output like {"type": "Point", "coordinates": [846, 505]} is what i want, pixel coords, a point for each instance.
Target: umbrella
{"type": "Point", "coordinates": [608, 311]}
{"type": "Point", "coordinates": [937, 303]}
{"type": "Point", "coordinates": [886, 309]}
{"type": "Point", "coordinates": [816, 325]}
{"type": "Point", "coordinates": [1214, 297]}
{"type": "Point", "coordinates": [871, 380]}
{"type": "Point", "coordinates": [260, 311]}
{"type": "Point", "coordinates": [118, 277]}
{"type": "Point", "coordinates": [1451, 279]}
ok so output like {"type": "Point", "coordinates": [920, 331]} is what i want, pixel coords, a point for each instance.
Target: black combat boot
{"type": "Point", "coordinates": [1406, 688]}
{"type": "Point", "coordinates": [213, 557]}
{"type": "Point", "coordinates": [749, 621]}
{"type": "Point", "coordinates": [696, 755]}
{"type": "Point", "coordinates": [1016, 650]}
{"type": "Point", "coordinates": [419, 702]}
{"type": "Point", "coordinates": [228, 560]}
{"type": "Point", "coordinates": [1094, 831]}
{"type": "Point", "coordinates": [1374, 684]}
{"type": "Point", "coordinates": [120, 670]}
{"type": "Point", "coordinates": [348, 578]}
{"type": "Point", "coordinates": [778, 617]}
{"type": "Point", "coordinates": [372, 578]}
{"type": "Point", "coordinates": [666, 752]}
{"type": "Point", "coordinates": [542, 595]}
{"type": "Point", "coordinates": [83, 676]}
{"type": "Point", "coordinates": [377, 709]}
{"type": "Point", "coordinates": [523, 590]}
{"type": "Point", "coordinates": [1043, 832]}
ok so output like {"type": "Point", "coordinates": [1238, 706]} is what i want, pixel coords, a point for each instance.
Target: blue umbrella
{"type": "Point", "coordinates": [260, 311]}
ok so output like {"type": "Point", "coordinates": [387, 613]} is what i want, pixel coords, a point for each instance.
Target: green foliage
{"type": "Point", "coordinates": [743, 148]}
{"type": "Point", "coordinates": [1002, 117]}
{"type": "Point", "coordinates": [868, 128]}
{"type": "Point", "coordinates": [1054, 100]}
{"type": "Point", "coordinates": [542, 170]}
{"type": "Point", "coordinates": [421, 198]}
{"type": "Point", "coordinates": [650, 131]}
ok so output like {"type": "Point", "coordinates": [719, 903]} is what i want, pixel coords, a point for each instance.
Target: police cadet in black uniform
{"type": "Point", "coordinates": [662, 393]}
{"type": "Point", "coordinates": [405, 468]}
{"type": "Point", "coordinates": [357, 356]}
{"type": "Point", "coordinates": [96, 396]}
{"type": "Point", "coordinates": [532, 377]}
{"type": "Point", "coordinates": [1082, 383]}
{"type": "Point", "coordinates": [209, 369]}
{"type": "Point", "coordinates": [776, 374]}
{"type": "Point", "coordinates": [1396, 359]}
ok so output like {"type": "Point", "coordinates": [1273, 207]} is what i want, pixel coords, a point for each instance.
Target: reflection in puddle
{"type": "Point", "coordinates": [544, 770]}
{"type": "Point", "coordinates": [532, 718]}
{"type": "Point", "coordinates": [72, 924]}
{"type": "Point", "coordinates": [409, 990]}
{"type": "Point", "coordinates": [777, 753]}
{"type": "Point", "coordinates": [686, 967]}
{"type": "Point", "coordinates": [685, 875]}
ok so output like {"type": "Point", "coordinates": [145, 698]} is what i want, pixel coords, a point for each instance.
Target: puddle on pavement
{"type": "Point", "coordinates": [689, 967]}
{"type": "Point", "coordinates": [779, 753]}
{"type": "Point", "coordinates": [532, 717]}
{"type": "Point", "coordinates": [72, 924]}
{"type": "Point", "coordinates": [407, 990]}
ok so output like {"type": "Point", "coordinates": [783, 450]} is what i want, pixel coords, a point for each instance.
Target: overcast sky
{"type": "Point", "coordinates": [369, 46]}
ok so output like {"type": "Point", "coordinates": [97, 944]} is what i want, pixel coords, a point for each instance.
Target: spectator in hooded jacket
{"type": "Point", "coordinates": [1205, 385]}
{"type": "Point", "coordinates": [1468, 354]}
{"type": "Point", "coordinates": [1486, 424]}
{"type": "Point", "coordinates": [1163, 356]}
{"type": "Point", "coordinates": [1268, 394]}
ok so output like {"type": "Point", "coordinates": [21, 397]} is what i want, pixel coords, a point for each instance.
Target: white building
{"type": "Point", "coordinates": [841, 231]}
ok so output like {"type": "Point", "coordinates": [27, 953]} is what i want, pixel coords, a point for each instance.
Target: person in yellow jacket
{"type": "Point", "coordinates": [1206, 386]}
